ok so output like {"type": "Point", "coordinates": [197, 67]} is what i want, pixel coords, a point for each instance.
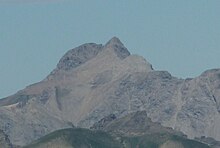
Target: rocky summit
{"type": "Point", "coordinates": [93, 81]}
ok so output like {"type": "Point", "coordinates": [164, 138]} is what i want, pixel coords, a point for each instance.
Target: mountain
{"type": "Point", "coordinates": [133, 130]}
{"type": "Point", "coordinates": [93, 81]}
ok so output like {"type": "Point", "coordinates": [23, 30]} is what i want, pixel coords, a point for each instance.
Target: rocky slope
{"type": "Point", "coordinates": [4, 140]}
{"type": "Point", "coordinates": [132, 130]}
{"type": "Point", "coordinates": [93, 81]}
{"type": "Point", "coordinates": [133, 124]}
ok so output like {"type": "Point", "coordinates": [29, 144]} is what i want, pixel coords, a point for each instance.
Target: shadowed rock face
{"type": "Point", "coordinates": [133, 124]}
{"type": "Point", "coordinates": [78, 56]}
{"type": "Point", "coordinates": [4, 141]}
{"type": "Point", "coordinates": [93, 81]}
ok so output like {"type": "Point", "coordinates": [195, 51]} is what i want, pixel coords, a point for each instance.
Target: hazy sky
{"type": "Point", "coordinates": [180, 36]}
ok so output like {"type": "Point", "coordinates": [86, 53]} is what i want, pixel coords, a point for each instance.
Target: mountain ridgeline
{"type": "Point", "coordinates": [131, 131]}
{"type": "Point", "coordinates": [94, 85]}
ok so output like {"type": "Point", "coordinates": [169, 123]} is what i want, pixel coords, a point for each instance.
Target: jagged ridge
{"type": "Point", "coordinates": [93, 81]}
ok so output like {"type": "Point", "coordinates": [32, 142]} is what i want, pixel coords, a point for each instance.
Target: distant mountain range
{"type": "Point", "coordinates": [94, 85]}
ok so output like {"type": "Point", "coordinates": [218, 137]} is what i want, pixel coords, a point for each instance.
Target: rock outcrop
{"type": "Point", "coordinates": [4, 140]}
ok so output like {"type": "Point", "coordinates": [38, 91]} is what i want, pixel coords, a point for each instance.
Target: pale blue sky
{"type": "Point", "coordinates": [180, 36]}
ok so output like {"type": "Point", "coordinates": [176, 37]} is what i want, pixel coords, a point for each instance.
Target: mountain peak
{"type": "Point", "coordinates": [114, 41]}
{"type": "Point", "coordinates": [118, 47]}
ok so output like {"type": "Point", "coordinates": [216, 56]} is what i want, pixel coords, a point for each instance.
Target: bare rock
{"type": "Point", "coordinates": [93, 81]}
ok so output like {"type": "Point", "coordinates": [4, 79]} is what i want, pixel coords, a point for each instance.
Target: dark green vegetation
{"type": "Point", "coordinates": [161, 141]}
{"type": "Point", "coordinates": [134, 130]}
{"type": "Point", "coordinates": [84, 138]}
{"type": "Point", "coordinates": [76, 138]}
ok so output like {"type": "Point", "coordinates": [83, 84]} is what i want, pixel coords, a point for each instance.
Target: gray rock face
{"type": "Point", "coordinates": [4, 141]}
{"type": "Point", "coordinates": [93, 81]}
{"type": "Point", "coordinates": [78, 56]}
{"type": "Point", "coordinates": [118, 47]}
{"type": "Point", "coordinates": [133, 124]}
